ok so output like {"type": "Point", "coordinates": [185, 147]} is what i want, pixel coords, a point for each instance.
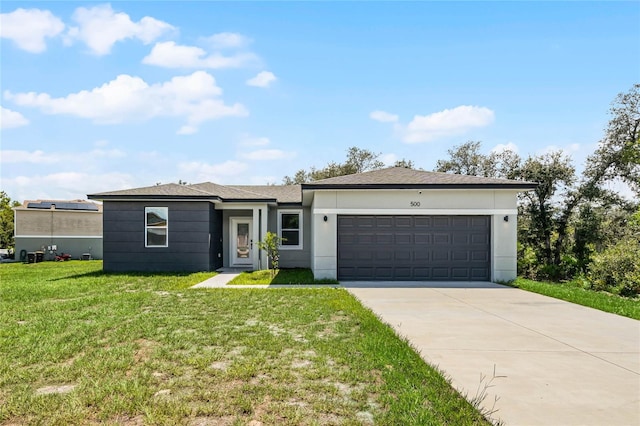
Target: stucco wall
{"type": "Point", "coordinates": [31, 222]}
{"type": "Point", "coordinates": [495, 203]}
{"type": "Point", "coordinates": [74, 246]}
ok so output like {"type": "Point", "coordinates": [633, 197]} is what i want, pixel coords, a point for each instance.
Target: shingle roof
{"type": "Point", "coordinates": [209, 190]}
{"type": "Point", "coordinates": [163, 191]}
{"type": "Point", "coordinates": [398, 177]}
{"type": "Point", "coordinates": [391, 178]}
{"type": "Point", "coordinates": [283, 193]}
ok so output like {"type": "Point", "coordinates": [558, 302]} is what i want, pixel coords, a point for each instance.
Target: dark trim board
{"type": "Point", "coordinates": [414, 248]}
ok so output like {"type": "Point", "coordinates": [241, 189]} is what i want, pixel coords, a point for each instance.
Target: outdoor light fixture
{"type": "Point", "coordinates": [506, 218]}
{"type": "Point", "coordinates": [326, 218]}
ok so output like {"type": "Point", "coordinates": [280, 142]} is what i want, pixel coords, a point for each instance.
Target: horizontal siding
{"type": "Point", "coordinates": [124, 235]}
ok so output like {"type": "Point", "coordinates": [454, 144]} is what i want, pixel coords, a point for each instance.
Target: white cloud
{"type": "Point", "coordinates": [267, 155]}
{"type": "Point", "coordinates": [171, 55]}
{"type": "Point", "coordinates": [501, 147]}
{"type": "Point", "coordinates": [383, 117]}
{"type": "Point", "coordinates": [388, 159]}
{"type": "Point", "coordinates": [227, 40]}
{"type": "Point", "coordinates": [65, 185]}
{"type": "Point", "coordinates": [219, 173]}
{"type": "Point", "coordinates": [127, 98]}
{"type": "Point", "coordinates": [263, 79]}
{"type": "Point", "coordinates": [10, 119]}
{"type": "Point", "coordinates": [28, 28]}
{"type": "Point", "coordinates": [247, 140]}
{"type": "Point", "coordinates": [41, 157]}
{"type": "Point", "coordinates": [424, 128]}
{"type": "Point", "coordinates": [568, 149]}
{"type": "Point", "coordinates": [100, 27]}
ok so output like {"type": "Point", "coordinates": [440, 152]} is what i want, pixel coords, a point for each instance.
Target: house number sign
{"type": "Point", "coordinates": [414, 203]}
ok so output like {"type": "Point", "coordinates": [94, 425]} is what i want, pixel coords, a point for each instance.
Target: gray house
{"type": "Point", "coordinates": [389, 224]}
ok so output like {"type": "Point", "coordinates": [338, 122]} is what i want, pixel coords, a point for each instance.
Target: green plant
{"type": "Point", "coordinates": [271, 244]}
{"type": "Point", "coordinates": [617, 269]}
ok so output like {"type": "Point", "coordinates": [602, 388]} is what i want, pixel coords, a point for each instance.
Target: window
{"type": "Point", "coordinates": [156, 224]}
{"type": "Point", "coordinates": [290, 229]}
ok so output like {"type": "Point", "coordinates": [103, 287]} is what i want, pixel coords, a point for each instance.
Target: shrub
{"type": "Point", "coordinates": [617, 269]}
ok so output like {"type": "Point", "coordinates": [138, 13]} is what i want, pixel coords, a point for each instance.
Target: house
{"type": "Point", "coordinates": [73, 227]}
{"type": "Point", "coordinates": [389, 224]}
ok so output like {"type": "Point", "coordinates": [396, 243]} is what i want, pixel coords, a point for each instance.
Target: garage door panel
{"type": "Point", "coordinates": [421, 238]}
{"type": "Point", "coordinates": [413, 247]}
{"type": "Point", "coordinates": [404, 238]}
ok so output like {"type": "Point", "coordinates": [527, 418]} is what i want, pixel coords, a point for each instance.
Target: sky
{"type": "Point", "coordinates": [107, 96]}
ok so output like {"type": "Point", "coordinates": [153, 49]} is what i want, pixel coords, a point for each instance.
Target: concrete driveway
{"type": "Point", "coordinates": [556, 363]}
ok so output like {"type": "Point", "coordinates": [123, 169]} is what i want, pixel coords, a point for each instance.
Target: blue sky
{"type": "Point", "coordinates": [105, 96]}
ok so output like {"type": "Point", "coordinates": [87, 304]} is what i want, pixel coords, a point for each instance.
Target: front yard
{"type": "Point", "coordinates": [81, 346]}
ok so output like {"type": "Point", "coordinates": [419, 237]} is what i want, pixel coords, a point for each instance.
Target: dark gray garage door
{"type": "Point", "coordinates": [448, 248]}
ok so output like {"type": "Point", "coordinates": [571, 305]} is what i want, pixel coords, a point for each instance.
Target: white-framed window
{"type": "Point", "coordinates": [290, 229]}
{"type": "Point", "coordinates": [156, 226]}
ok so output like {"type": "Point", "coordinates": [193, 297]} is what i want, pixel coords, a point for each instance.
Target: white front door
{"type": "Point", "coordinates": [241, 242]}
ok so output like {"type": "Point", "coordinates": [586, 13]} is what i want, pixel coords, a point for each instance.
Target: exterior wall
{"type": "Point", "coordinates": [74, 246]}
{"type": "Point", "coordinates": [32, 222]}
{"type": "Point", "coordinates": [73, 232]}
{"type": "Point", "coordinates": [191, 227]}
{"type": "Point", "coordinates": [294, 258]}
{"type": "Point", "coordinates": [495, 203]}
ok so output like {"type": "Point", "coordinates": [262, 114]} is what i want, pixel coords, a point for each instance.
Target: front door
{"type": "Point", "coordinates": [241, 242]}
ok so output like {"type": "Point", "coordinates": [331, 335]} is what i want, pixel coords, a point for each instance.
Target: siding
{"type": "Point", "coordinates": [190, 237]}
{"type": "Point", "coordinates": [294, 258]}
{"type": "Point", "coordinates": [57, 222]}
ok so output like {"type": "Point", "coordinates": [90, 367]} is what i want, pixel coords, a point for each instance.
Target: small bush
{"type": "Point", "coordinates": [617, 269]}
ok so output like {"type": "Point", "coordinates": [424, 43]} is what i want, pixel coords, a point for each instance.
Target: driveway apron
{"type": "Point", "coordinates": [540, 360]}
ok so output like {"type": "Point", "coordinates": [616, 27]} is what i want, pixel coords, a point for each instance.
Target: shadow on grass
{"type": "Point", "coordinates": [97, 274]}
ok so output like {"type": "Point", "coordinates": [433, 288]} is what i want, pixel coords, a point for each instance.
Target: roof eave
{"type": "Point", "coordinates": [518, 186]}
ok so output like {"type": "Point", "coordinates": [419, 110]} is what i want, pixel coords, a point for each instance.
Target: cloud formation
{"type": "Point", "coordinates": [267, 155]}
{"type": "Point", "coordinates": [449, 122]}
{"type": "Point", "coordinates": [201, 172]}
{"type": "Point", "coordinates": [501, 147]}
{"type": "Point", "coordinates": [226, 40]}
{"type": "Point", "coordinates": [10, 119]}
{"type": "Point", "coordinates": [41, 157]}
{"type": "Point", "coordinates": [168, 54]}
{"type": "Point", "coordinates": [100, 27]}
{"type": "Point", "coordinates": [29, 28]}
{"type": "Point", "coordinates": [263, 79]}
{"type": "Point", "coordinates": [194, 97]}
{"type": "Point", "coordinates": [383, 117]}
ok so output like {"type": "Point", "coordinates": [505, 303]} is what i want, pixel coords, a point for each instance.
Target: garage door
{"type": "Point", "coordinates": [448, 248]}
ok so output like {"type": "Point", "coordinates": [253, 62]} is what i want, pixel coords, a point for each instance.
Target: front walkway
{"type": "Point", "coordinates": [555, 362]}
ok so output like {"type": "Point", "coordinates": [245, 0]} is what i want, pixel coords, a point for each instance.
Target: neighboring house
{"type": "Point", "coordinates": [390, 224]}
{"type": "Point", "coordinates": [73, 227]}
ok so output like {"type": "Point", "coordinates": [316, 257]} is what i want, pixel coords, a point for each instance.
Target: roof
{"type": "Point", "coordinates": [391, 178]}
{"type": "Point", "coordinates": [67, 205]}
{"type": "Point", "coordinates": [400, 177]}
{"type": "Point", "coordinates": [209, 191]}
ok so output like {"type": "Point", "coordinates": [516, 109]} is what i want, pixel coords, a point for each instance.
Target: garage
{"type": "Point", "coordinates": [414, 248]}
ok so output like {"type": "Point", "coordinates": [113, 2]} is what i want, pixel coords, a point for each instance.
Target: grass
{"type": "Point", "coordinates": [573, 292]}
{"type": "Point", "coordinates": [78, 346]}
{"type": "Point", "coordinates": [283, 276]}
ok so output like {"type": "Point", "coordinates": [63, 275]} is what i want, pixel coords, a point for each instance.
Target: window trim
{"type": "Point", "coordinates": [300, 230]}
{"type": "Point", "coordinates": [146, 228]}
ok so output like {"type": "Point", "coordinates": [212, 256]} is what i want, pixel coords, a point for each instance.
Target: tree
{"type": "Point", "coordinates": [618, 154]}
{"type": "Point", "coordinates": [554, 174]}
{"type": "Point", "coordinates": [271, 244]}
{"type": "Point", "coordinates": [466, 159]}
{"type": "Point", "coordinates": [6, 220]}
{"type": "Point", "coordinates": [358, 161]}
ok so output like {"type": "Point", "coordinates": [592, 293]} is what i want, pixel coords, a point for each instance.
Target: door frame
{"type": "Point", "coordinates": [233, 238]}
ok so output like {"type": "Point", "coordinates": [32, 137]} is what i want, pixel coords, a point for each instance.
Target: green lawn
{"type": "Point", "coordinates": [79, 346]}
{"type": "Point", "coordinates": [573, 293]}
{"type": "Point", "coordinates": [283, 276]}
